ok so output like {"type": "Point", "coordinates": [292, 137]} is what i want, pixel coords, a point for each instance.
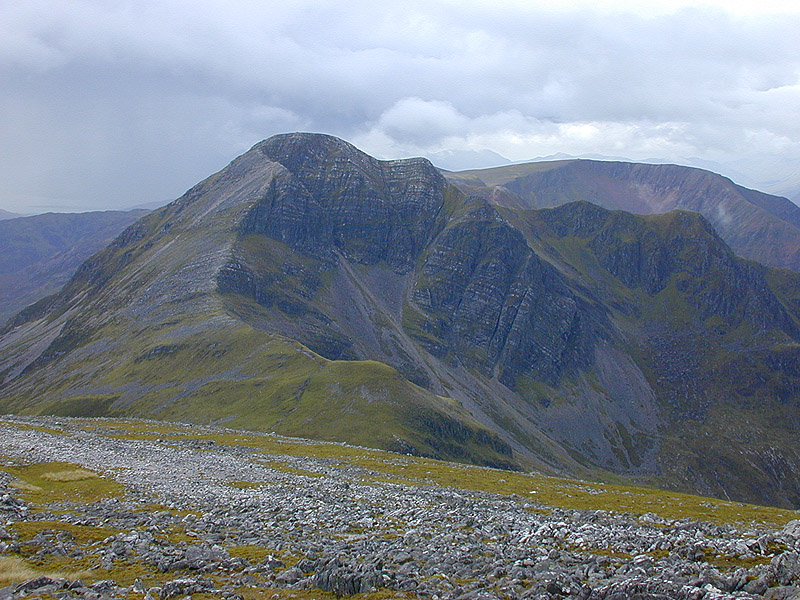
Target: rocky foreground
{"type": "Point", "coordinates": [202, 511]}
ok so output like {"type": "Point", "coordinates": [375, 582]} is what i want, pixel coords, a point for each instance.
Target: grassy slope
{"type": "Point", "coordinates": [246, 378]}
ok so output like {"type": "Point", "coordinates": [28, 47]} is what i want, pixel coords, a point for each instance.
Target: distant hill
{"type": "Point", "coordinates": [4, 214]}
{"type": "Point", "coordinates": [39, 254]}
{"type": "Point", "coordinates": [458, 160]}
{"type": "Point", "coordinates": [776, 175]}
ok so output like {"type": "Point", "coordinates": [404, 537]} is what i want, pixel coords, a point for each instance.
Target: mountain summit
{"type": "Point", "coordinates": [308, 288]}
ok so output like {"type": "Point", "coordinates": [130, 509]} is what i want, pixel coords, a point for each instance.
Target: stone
{"type": "Point", "coordinates": [289, 576]}
{"type": "Point", "coordinates": [782, 592]}
{"type": "Point", "coordinates": [786, 567]}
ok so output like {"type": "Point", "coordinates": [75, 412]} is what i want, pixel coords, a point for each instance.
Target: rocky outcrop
{"type": "Point", "coordinates": [680, 248]}
{"type": "Point", "coordinates": [488, 299]}
{"type": "Point", "coordinates": [339, 200]}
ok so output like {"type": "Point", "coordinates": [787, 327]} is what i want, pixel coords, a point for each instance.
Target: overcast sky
{"type": "Point", "coordinates": [108, 103]}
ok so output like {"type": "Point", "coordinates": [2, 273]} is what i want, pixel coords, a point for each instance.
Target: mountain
{"type": "Point", "coordinates": [756, 225]}
{"type": "Point", "coordinates": [150, 205]}
{"type": "Point", "coordinates": [4, 214]}
{"type": "Point", "coordinates": [308, 288]}
{"type": "Point", "coordinates": [778, 175]}
{"type": "Point", "coordinates": [39, 254]}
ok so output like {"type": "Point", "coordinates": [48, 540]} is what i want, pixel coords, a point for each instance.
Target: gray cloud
{"type": "Point", "coordinates": [111, 103]}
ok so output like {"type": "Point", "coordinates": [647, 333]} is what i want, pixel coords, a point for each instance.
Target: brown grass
{"type": "Point", "coordinates": [70, 475]}
{"type": "Point", "coordinates": [14, 570]}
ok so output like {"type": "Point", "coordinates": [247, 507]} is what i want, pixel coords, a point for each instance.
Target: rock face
{"type": "Point", "coordinates": [339, 201]}
{"type": "Point", "coordinates": [487, 298]}
{"type": "Point", "coordinates": [647, 254]}
{"type": "Point", "coordinates": [310, 289]}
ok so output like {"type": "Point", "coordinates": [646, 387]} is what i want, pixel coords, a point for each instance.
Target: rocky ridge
{"type": "Point", "coordinates": [192, 504]}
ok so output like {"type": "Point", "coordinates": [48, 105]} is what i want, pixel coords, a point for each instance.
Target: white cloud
{"type": "Point", "coordinates": [422, 122]}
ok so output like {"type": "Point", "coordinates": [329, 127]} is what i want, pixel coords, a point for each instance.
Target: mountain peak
{"type": "Point", "coordinates": [304, 145]}
{"type": "Point", "coordinates": [304, 152]}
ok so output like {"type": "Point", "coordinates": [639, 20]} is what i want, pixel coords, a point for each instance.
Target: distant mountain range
{"type": "Point", "coordinates": [458, 160]}
{"type": "Point", "coordinates": [495, 317]}
{"type": "Point", "coordinates": [776, 175]}
{"type": "Point", "coordinates": [4, 214]}
{"type": "Point", "coordinates": [39, 254]}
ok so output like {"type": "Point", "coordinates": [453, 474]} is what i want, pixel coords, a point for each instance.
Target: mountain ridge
{"type": "Point", "coordinates": [756, 225]}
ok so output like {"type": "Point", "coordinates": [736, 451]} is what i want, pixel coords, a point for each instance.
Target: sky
{"type": "Point", "coordinates": [112, 104]}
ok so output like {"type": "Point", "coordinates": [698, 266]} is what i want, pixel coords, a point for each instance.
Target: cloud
{"type": "Point", "coordinates": [422, 122]}
{"type": "Point", "coordinates": [110, 102]}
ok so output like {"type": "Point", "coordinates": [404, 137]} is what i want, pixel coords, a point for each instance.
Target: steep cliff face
{"type": "Point", "coordinates": [486, 297]}
{"type": "Point", "coordinates": [310, 289]}
{"type": "Point", "coordinates": [339, 200]}
{"type": "Point", "coordinates": [681, 249]}
{"type": "Point", "coordinates": [332, 204]}
{"type": "Point", "coordinates": [711, 331]}
{"type": "Point", "coordinates": [755, 225]}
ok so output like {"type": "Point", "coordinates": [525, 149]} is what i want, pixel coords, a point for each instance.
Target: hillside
{"type": "Point", "coordinates": [312, 290]}
{"type": "Point", "coordinates": [39, 254]}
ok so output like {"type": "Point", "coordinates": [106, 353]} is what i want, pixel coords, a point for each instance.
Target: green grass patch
{"type": "Point", "coordinates": [40, 428]}
{"type": "Point", "coordinates": [43, 483]}
{"type": "Point", "coordinates": [81, 534]}
{"type": "Point", "coordinates": [16, 570]}
{"type": "Point", "coordinates": [247, 485]}
{"type": "Point", "coordinates": [731, 563]}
